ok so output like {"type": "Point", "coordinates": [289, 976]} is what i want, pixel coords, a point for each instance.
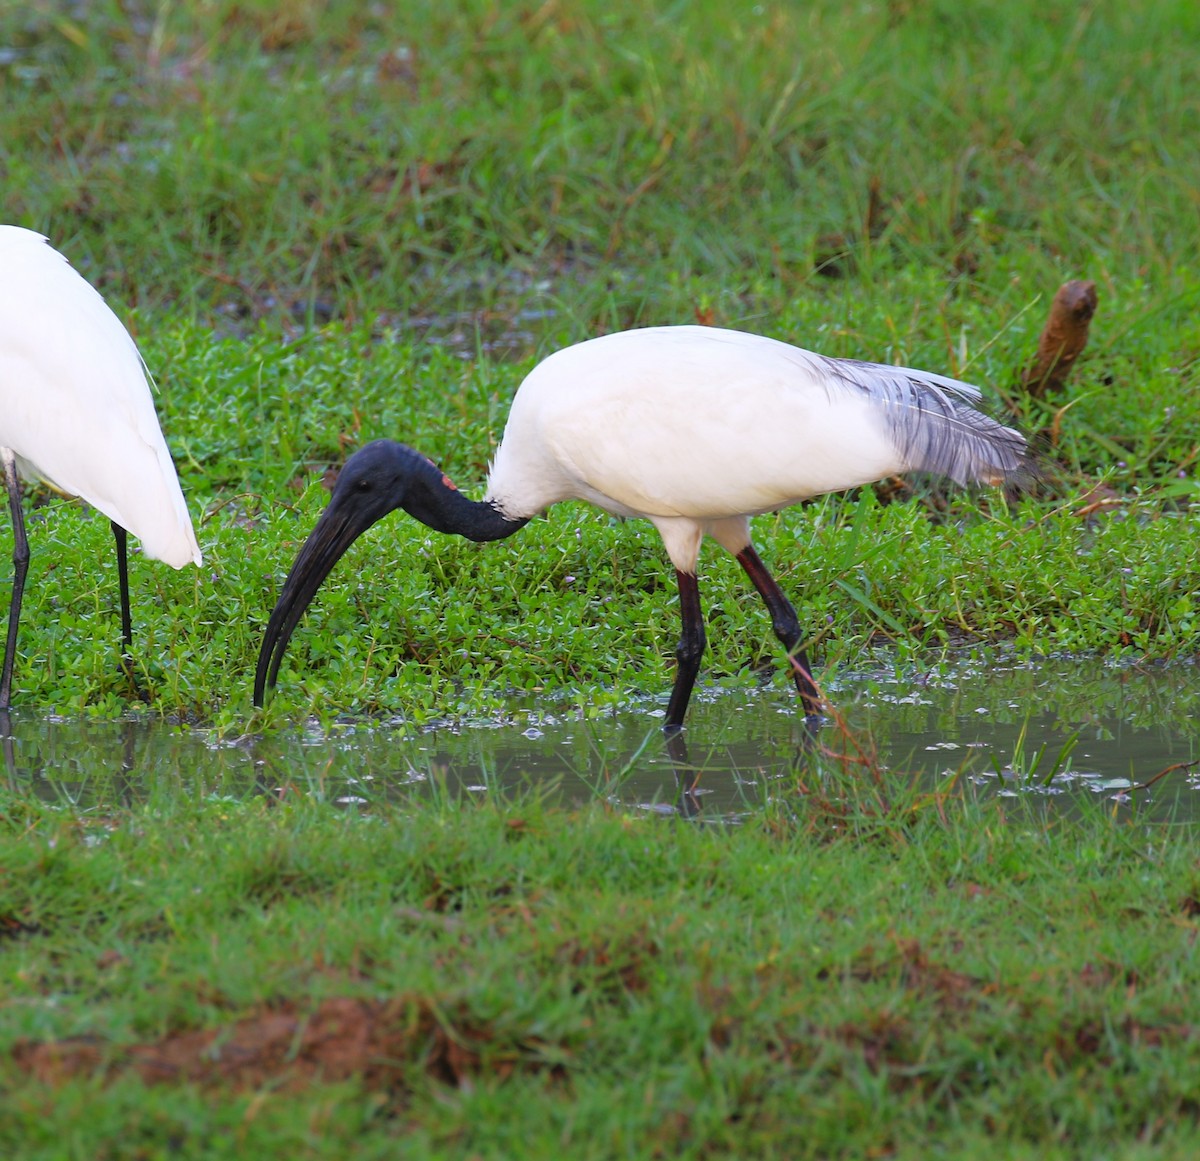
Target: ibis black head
{"type": "Point", "coordinates": [380, 478]}
{"type": "Point", "coordinates": [373, 482]}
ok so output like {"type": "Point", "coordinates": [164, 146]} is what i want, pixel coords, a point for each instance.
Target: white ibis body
{"type": "Point", "coordinates": [695, 429]}
{"type": "Point", "coordinates": [76, 411]}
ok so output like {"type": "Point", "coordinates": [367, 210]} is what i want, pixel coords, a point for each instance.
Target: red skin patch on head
{"type": "Point", "coordinates": [447, 482]}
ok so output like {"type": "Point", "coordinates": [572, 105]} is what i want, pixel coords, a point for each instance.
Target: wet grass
{"type": "Point", "coordinates": [855, 974]}
{"type": "Point", "coordinates": [578, 604]}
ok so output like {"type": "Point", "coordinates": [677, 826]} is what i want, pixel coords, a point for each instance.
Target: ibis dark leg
{"type": "Point", "coordinates": [20, 568]}
{"type": "Point", "coordinates": [786, 625]}
{"type": "Point", "coordinates": [690, 651]}
{"type": "Point", "coordinates": [687, 777]}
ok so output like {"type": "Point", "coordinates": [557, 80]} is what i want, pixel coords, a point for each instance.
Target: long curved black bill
{"type": "Point", "coordinates": [339, 527]}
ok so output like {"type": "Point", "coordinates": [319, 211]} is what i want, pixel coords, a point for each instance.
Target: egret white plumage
{"type": "Point", "coordinates": [695, 429]}
{"type": "Point", "coordinates": [76, 411]}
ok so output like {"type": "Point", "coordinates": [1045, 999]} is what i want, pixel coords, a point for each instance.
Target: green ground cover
{"type": "Point", "coordinates": [865, 978]}
{"type": "Point", "coordinates": [330, 222]}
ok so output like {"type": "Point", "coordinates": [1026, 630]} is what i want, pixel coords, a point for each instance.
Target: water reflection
{"type": "Point", "coordinates": [1059, 729]}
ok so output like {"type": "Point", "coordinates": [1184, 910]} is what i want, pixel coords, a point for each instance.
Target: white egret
{"type": "Point", "coordinates": [695, 429]}
{"type": "Point", "coordinates": [76, 411]}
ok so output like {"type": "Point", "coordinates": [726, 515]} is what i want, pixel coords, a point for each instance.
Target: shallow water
{"type": "Point", "coordinates": [1060, 732]}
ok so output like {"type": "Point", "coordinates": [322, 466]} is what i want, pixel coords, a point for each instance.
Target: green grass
{"type": "Point", "coordinates": [393, 157]}
{"type": "Point", "coordinates": [842, 981]}
{"type": "Point", "coordinates": [578, 603]}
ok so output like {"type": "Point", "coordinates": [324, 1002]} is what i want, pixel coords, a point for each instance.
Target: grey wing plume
{"type": "Point", "coordinates": [934, 426]}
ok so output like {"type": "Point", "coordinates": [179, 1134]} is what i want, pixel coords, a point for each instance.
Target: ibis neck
{"type": "Point", "coordinates": [433, 499]}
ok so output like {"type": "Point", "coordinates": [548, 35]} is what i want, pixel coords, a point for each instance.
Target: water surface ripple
{"type": "Point", "coordinates": [1062, 730]}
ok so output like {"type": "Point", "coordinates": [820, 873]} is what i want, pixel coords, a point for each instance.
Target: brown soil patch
{"type": "Point", "coordinates": [918, 973]}
{"type": "Point", "coordinates": [1106, 1042]}
{"type": "Point", "coordinates": [11, 927]}
{"type": "Point", "coordinates": [609, 968]}
{"type": "Point", "coordinates": [380, 1042]}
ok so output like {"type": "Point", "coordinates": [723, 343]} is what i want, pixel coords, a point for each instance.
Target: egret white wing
{"type": "Point", "coordinates": [77, 407]}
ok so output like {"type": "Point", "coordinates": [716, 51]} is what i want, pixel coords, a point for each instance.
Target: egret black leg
{"type": "Point", "coordinates": [20, 568]}
{"type": "Point", "coordinates": [786, 625]}
{"type": "Point", "coordinates": [122, 539]}
{"type": "Point", "coordinates": [690, 651]}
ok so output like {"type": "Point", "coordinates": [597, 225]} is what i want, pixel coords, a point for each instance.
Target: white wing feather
{"type": "Point", "coordinates": [709, 424]}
